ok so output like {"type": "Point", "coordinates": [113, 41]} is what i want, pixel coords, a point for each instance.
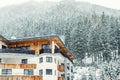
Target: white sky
{"type": "Point", "coordinates": [115, 4]}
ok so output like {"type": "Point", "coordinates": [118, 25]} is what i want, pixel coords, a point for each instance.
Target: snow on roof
{"type": "Point", "coordinates": [1, 36]}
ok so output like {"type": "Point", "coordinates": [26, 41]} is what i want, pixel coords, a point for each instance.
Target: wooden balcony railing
{"type": "Point", "coordinates": [20, 77]}
{"type": "Point", "coordinates": [60, 78]}
{"type": "Point", "coordinates": [18, 66]}
{"type": "Point", "coordinates": [60, 68]}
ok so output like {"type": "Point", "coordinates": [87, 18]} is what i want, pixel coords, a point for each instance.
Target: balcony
{"type": "Point", "coordinates": [61, 68]}
{"type": "Point", "coordinates": [20, 77]}
{"type": "Point", "coordinates": [45, 51]}
{"type": "Point", "coordinates": [18, 66]}
{"type": "Point", "coordinates": [17, 50]}
{"type": "Point", "coordinates": [60, 78]}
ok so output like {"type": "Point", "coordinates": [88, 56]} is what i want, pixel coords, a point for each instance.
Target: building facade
{"type": "Point", "coordinates": [39, 58]}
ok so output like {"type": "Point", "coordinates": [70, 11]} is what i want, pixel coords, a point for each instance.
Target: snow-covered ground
{"type": "Point", "coordinates": [86, 72]}
{"type": "Point", "coordinates": [103, 71]}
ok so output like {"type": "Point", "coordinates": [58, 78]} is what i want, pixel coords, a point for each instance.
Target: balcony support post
{"type": "Point", "coordinates": [53, 47]}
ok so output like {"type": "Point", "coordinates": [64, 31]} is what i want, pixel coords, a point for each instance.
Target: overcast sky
{"type": "Point", "coordinates": [115, 4]}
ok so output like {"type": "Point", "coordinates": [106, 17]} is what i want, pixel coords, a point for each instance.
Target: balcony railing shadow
{"type": "Point", "coordinates": [17, 50]}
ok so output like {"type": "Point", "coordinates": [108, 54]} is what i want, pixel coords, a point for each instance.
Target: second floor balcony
{"type": "Point", "coordinates": [18, 66]}
{"type": "Point", "coordinates": [61, 68]}
{"type": "Point", "coordinates": [60, 78]}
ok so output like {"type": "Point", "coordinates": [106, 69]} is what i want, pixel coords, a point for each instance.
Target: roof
{"type": "Point", "coordinates": [53, 37]}
{"type": "Point", "coordinates": [32, 38]}
{"type": "Point", "coordinates": [3, 38]}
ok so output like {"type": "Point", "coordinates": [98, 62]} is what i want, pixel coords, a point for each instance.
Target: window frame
{"type": "Point", "coordinates": [49, 72]}
{"type": "Point", "coordinates": [49, 59]}
{"type": "Point", "coordinates": [41, 72]}
{"type": "Point", "coordinates": [24, 62]}
{"type": "Point", "coordinates": [71, 68]}
{"type": "Point", "coordinates": [45, 46]}
{"type": "Point", "coordinates": [0, 60]}
{"type": "Point", "coordinates": [28, 72]}
{"type": "Point", "coordinates": [41, 60]}
{"type": "Point", "coordinates": [6, 72]}
{"type": "Point", "coordinates": [68, 78]}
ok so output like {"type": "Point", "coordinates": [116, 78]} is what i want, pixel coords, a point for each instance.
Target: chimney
{"type": "Point", "coordinates": [13, 37]}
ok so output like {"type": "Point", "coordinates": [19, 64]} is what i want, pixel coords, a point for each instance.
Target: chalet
{"type": "Point", "coordinates": [39, 58]}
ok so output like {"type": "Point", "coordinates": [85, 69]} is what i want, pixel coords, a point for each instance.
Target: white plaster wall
{"type": "Point", "coordinates": [45, 65]}
{"type": "Point", "coordinates": [17, 71]}
{"type": "Point", "coordinates": [0, 45]}
{"type": "Point", "coordinates": [17, 60]}
{"type": "Point", "coordinates": [34, 60]}
{"type": "Point", "coordinates": [46, 77]}
{"type": "Point", "coordinates": [11, 60]}
{"type": "Point", "coordinates": [0, 71]}
{"type": "Point", "coordinates": [48, 65]}
{"type": "Point", "coordinates": [59, 59]}
{"type": "Point", "coordinates": [36, 71]}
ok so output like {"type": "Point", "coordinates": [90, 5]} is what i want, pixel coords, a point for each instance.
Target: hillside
{"type": "Point", "coordinates": [12, 16]}
{"type": "Point", "coordinates": [92, 32]}
{"type": "Point", "coordinates": [80, 22]}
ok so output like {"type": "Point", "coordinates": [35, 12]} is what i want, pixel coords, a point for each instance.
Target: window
{"type": "Point", "coordinates": [48, 59]}
{"type": "Point", "coordinates": [6, 71]}
{"type": "Point", "coordinates": [0, 60]}
{"type": "Point", "coordinates": [40, 72]}
{"type": "Point", "coordinates": [48, 71]}
{"type": "Point", "coordinates": [3, 47]}
{"type": "Point", "coordinates": [46, 46]}
{"type": "Point", "coordinates": [63, 75]}
{"type": "Point", "coordinates": [68, 78]}
{"type": "Point", "coordinates": [41, 60]}
{"type": "Point", "coordinates": [28, 72]}
{"type": "Point", "coordinates": [71, 69]}
{"type": "Point", "coordinates": [62, 64]}
{"type": "Point", "coordinates": [24, 61]}
{"type": "Point", "coordinates": [68, 67]}
{"type": "Point", "coordinates": [57, 50]}
{"type": "Point", "coordinates": [72, 77]}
